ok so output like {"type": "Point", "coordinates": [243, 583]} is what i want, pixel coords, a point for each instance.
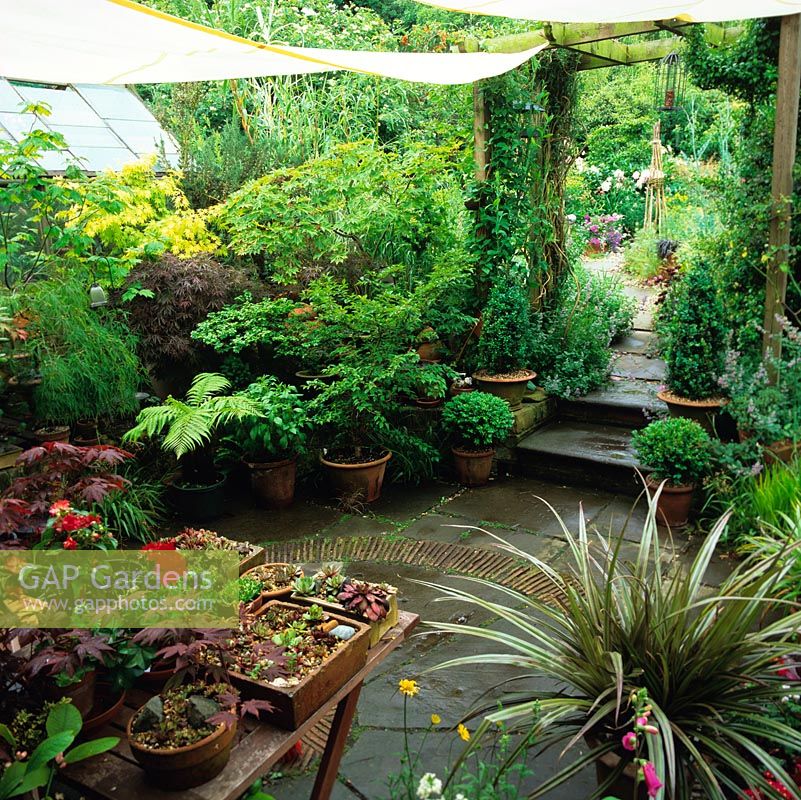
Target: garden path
{"type": "Point", "coordinates": [590, 440]}
{"type": "Point", "coordinates": [508, 507]}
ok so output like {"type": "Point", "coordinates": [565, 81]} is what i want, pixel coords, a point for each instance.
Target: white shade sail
{"type": "Point", "coordinates": [623, 10]}
{"type": "Point", "coordinates": [119, 42]}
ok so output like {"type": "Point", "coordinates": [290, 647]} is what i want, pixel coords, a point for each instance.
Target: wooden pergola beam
{"type": "Point", "coordinates": [599, 44]}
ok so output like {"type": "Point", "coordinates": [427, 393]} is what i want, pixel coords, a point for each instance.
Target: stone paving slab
{"type": "Point", "coordinates": [638, 367]}
{"type": "Point", "coordinates": [638, 341]}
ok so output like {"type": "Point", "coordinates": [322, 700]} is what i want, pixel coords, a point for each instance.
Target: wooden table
{"type": "Point", "coordinates": [116, 775]}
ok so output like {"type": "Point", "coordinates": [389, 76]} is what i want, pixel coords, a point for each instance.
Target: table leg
{"type": "Point", "coordinates": [334, 747]}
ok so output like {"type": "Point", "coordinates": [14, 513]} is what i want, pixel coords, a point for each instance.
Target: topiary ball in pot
{"type": "Point", "coordinates": [677, 451]}
{"type": "Point", "coordinates": [503, 350]}
{"type": "Point", "coordinates": [476, 422]}
{"type": "Point", "coordinates": [694, 333]}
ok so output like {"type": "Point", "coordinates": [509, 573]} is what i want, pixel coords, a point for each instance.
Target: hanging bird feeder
{"type": "Point", "coordinates": [670, 82]}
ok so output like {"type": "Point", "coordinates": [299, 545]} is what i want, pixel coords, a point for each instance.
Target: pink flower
{"type": "Point", "coordinates": [652, 782]}
{"type": "Point", "coordinates": [629, 741]}
{"type": "Point", "coordinates": [642, 721]}
{"type": "Point", "coordinates": [59, 506]}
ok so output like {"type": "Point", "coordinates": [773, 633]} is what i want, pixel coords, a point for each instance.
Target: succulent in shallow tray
{"type": "Point", "coordinates": [369, 600]}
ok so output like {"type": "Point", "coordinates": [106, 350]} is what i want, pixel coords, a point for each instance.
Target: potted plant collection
{"type": "Point", "coordinates": [269, 444]}
{"type": "Point", "coordinates": [190, 427]}
{"type": "Point", "coordinates": [476, 422]}
{"type": "Point", "coordinates": [692, 328]}
{"type": "Point", "coordinates": [375, 604]}
{"type": "Point", "coordinates": [503, 348]}
{"type": "Point", "coordinates": [677, 452]}
{"type": "Point", "coordinates": [295, 657]}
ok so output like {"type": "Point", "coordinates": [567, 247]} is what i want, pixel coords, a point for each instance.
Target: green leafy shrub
{"type": "Point", "coordinates": [87, 358]}
{"type": "Point", "coordinates": [282, 429]}
{"type": "Point", "coordinates": [361, 412]}
{"type": "Point", "coordinates": [676, 449]}
{"type": "Point", "coordinates": [351, 212]}
{"type": "Point", "coordinates": [692, 327]}
{"type": "Point", "coordinates": [477, 420]}
{"type": "Point", "coordinates": [571, 335]}
{"type": "Point", "coordinates": [505, 338]}
{"type": "Point", "coordinates": [170, 297]}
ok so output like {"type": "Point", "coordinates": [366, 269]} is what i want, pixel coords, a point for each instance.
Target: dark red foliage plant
{"type": "Point", "coordinates": [184, 291]}
{"type": "Point", "coordinates": [57, 471]}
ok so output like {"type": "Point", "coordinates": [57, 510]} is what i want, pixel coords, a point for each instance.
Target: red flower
{"type": "Point", "coordinates": [59, 506]}
{"type": "Point", "coordinates": [167, 544]}
{"type": "Point", "coordinates": [72, 522]}
{"type": "Point", "coordinates": [70, 543]}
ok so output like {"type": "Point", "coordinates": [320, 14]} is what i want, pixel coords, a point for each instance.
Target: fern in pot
{"type": "Point", "coordinates": [677, 451]}
{"type": "Point", "coordinates": [476, 422]}
{"type": "Point", "coordinates": [190, 429]}
{"type": "Point", "coordinates": [270, 444]}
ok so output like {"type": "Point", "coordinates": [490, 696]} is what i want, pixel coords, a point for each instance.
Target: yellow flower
{"type": "Point", "coordinates": [464, 734]}
{"type": "Point", "coordinates": [408, 687]}
{"type": "Point", "coordinates": [435, 719]}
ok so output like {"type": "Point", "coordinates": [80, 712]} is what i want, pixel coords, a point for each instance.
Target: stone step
{"type": "Point", "coordinates": [628, 403]}
{"type": "Point", "coordinates": [581, 454]}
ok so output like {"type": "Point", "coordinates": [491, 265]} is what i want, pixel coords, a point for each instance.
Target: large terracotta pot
{"type": "Point", "coordinates": [509, 389]}
{"type": "Point", "coordinates": [185, 767]}
{"type": "Point", "coordinates": [57, 433]}
{"type": "Point", "coordinates": [273, 482]}
{"type": "Point", "coordinates": [473, 468]}
{"type": "Point", "coordinates": [674, 503]}
{"type": "Point", "coordinates": [704, 412]}
{"type": "Point", "coordinates": [357, 479]}
{"type": "Point", "coordinates": [82, 693]}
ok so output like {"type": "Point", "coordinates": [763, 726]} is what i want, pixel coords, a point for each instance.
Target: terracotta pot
{"type": "Point", "coordinates": [86, 429]}
{"type": "Point", "coordinates": [624, 784]}
{"type": "Point", "coordinates": [273, 482]}
{"type": "Point", "coordinates": [782, 451]}
{"type": "Point", "coordinates": [351, 479]}
{"type": "Point", "coordinates": [430, 352]}
{"type": "Point", "coordinates": [673, 505]}
{"type": "Point", "coordinates": [82, 694]}
{"type": "Point", "coordinates": [704, 412]}
{"type": "Point", "coordinates": [185, 767]}
{"type": "Point", "coordinates": [457, 390]}
{"type": "Point", "coordinates": [106, 706]}
{"type": "Point", "coordinates": [509, 389]}
{"type": "Point", "coordinates": [428, 402]}
{"type": "Point", "coordinates": [58, 433]}
{"type": "Point", "coordinates": [473, 468]}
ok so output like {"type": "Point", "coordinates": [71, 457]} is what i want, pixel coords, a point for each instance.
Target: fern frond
{"type": "Point", "coordinates": [190, 431]}
{"type": "Point", "coordinates": [205, 386]}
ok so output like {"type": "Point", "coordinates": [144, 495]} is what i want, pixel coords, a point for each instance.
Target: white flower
{"type": "Point", "coordinates": [580, 165]}
{"type": "Point", "coordinates": [571, 217]}
{"type": "Point", "coordinates": [635, 175]}
{"type": "Point", "coordinates": [594, 170]}
{"type": "Point", "coordinates": [618, 174]}
{"type": "Point", "coordinates": [606, 186]}
{"type": "Point", "coordinates": [430, 786]}
{"type": "Point", "coordinates": [460, 796]}
{"type": "Point", "coordinates": [308, 12]}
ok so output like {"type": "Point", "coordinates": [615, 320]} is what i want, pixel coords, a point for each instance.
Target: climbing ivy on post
{"type": "Point", "coordinates": [519, 226]}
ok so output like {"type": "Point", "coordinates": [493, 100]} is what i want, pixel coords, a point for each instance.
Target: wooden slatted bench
{"type": "Point", "coordinates": [116, 775]}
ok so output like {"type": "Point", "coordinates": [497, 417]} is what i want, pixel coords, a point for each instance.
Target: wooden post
{"type": "Point", "coordinates": [784, 144]}
{"type": "Point", "coordinates": [480, 132]}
